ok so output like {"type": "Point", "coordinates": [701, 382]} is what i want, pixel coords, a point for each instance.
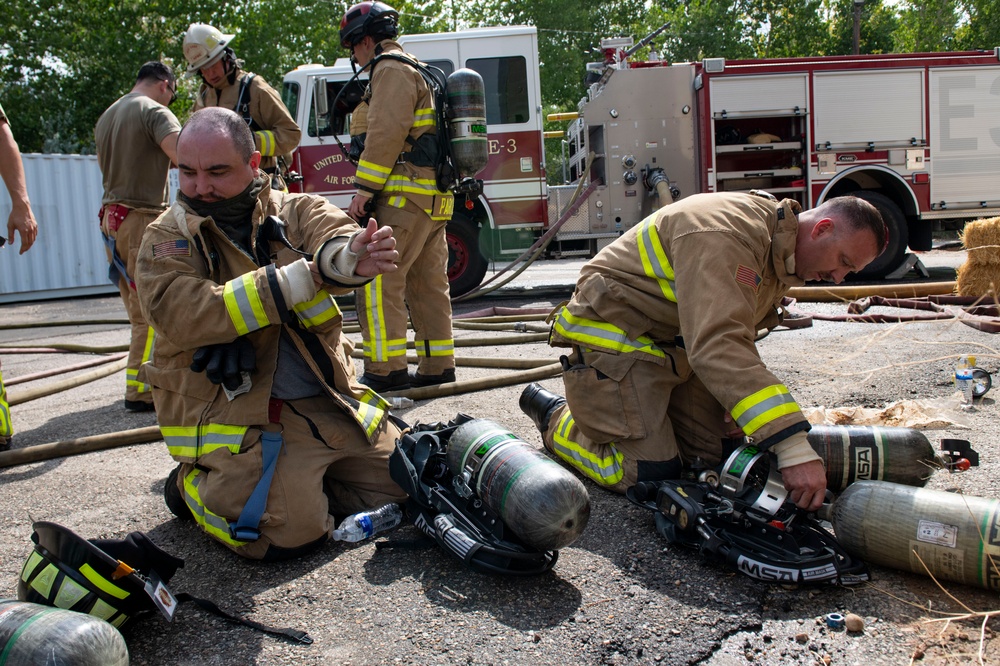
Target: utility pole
{"type": "Point", "coordinates": [858, 4]}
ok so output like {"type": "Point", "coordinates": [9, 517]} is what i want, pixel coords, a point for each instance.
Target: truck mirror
{"type": "Point", "coordinates": [320, 102]}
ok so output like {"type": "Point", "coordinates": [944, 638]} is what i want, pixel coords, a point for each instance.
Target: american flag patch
{"type": "Point", "coordinates": [748, 276]}
{"type": "Point", "coordinates": [172, 248]}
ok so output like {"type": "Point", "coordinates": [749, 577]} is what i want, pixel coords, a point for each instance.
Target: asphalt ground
{"type": "Point", "coordinates": [619, 595]}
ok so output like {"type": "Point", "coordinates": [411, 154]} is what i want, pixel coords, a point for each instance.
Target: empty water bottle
{"type": "Point", "coordinates": [365, 524]}
{"type": "Point", "coordinates": [963, 379]}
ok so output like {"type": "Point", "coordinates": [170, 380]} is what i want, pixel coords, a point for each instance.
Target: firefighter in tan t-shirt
{"type": "Point", "coordinates": [136, 142]}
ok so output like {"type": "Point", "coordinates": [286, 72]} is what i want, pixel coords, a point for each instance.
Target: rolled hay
{"type": "Point", "coordinates": [981, 238]}
{"type": "Point", "coordinates": [978, 280]}
{"type": "Point", "coordinates": [979, 276]}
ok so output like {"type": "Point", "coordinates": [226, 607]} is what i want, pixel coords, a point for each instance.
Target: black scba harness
{"type": "Point", "coordinates": [450, 513]}
{"type": "Point", "coordinates": [752, 530]}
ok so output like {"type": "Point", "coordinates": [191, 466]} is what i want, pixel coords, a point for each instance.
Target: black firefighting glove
{"type": "Point", "coordinates": [224, 364]}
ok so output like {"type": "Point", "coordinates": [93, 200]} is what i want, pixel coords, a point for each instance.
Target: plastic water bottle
{"type": "Point", "coordinates": [963, 379]}
{"type": "Point", "coordinates": [400, 402]}
{"type": "Point", "coordinates": [365, 524]}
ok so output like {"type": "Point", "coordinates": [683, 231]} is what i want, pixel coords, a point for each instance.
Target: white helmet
{"type": "Point", "coordinates": [203, 45]}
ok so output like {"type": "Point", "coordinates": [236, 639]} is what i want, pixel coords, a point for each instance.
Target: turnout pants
{"type": "Point", "coordinates": [127, 236]}
{"type": "Point", "coordinates": [630, 419]}
{"type": "Point", "coordinates": [420, 284]}
{"type": "Point", "coordinates": [325, 466]}
{"type": "Point", "coordinates": [6, 427]}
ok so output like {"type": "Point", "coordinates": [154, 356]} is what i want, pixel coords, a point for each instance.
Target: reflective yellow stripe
{"type": "Point", "coordinates": [371, 411]}
{"type": "Point", "coordinates": [591, 333]}
{"type": "Point", "coordinates": [399, 183]}
{"type": "Point", "coordinates": [606, 471]}
{"type": "Point", "coordinates": [396, 201]}
{"type": "Point", "coordinates": [243, 303]}
{"type": "Point", "coordinates": [102, 583]}
{"type": "Point", "coordinates": [378, 347]}
{"type": "Point", "coordinates": [267, 143]}
{"type": "Point", "coordinates": [654, 258]}
{"type": "Point", "coordinates": [376, 174]}
{"type": "Point", "coordinates": [423, 117]}
{"type": "Point", "coordinates": [319, 310]}
{"type": "Point", "coordinates": [6, 428]}
{"type": "Point", "coordinates": [427, 348]}
{"type": "Point", "coordinates": [760, 408]}
{"type": "Point", "coordinates": [147, 355]}
{"type": "Point", "coordinates": [212, 523]}
{"type": "Point", "coordinates": [190, 442]}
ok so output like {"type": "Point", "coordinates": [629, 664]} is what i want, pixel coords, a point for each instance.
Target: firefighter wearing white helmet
{"type": "Point", "coordinates": [224, 83]}
{"type": "Point", "coordinates": [393, 140]}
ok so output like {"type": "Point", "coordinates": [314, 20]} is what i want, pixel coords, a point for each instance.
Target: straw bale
{"type": "Point", "coordinates": [978, 279]}
{"type": "Point", "coordinates": [982, 240]}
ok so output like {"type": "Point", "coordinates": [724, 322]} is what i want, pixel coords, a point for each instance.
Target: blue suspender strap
{"type": "Point", "coordinates": [245, 529]}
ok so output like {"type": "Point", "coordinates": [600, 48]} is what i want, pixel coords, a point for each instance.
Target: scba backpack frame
{"type": "Point", "coordinates": [465, 527]}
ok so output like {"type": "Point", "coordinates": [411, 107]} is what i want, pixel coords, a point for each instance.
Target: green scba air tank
{"type": "Point", "coordinates": [537, 499]}
{"type": "Point", "coordinates": [467, 121]}
{"type": "Point", "coordinates": [956, 536]}
{"type": "Point", "coordinates": [870, 453]}
{"type": "Point", "coordinates": [32, 634]}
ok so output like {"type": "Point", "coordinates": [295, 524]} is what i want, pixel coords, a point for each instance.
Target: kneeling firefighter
{"type": "Point", "coordinates": [255, 391]}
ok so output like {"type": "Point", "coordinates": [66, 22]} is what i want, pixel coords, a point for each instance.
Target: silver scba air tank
{"type": "Point", "coordinates": [467, 121]}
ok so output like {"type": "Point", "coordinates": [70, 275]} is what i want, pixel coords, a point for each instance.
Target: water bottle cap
{"type": "Point", "coordinates": [972, 361]}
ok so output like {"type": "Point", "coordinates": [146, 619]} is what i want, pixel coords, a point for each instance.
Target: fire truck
{"type": "Point", "coordinates": [917, 135]}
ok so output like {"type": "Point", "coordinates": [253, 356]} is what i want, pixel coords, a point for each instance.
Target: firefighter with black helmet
{"type": "Point", "coordinates": [224, 83]}
{"type": "Point", "coordinates": [393, 141]}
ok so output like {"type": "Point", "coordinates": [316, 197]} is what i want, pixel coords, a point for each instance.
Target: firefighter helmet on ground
{"type": "Point", "coordinates": [104, 578]}
{"type": "Point", "coordinates": [203, 45]}
{"type": "Point", "coordinates": [368, 19]}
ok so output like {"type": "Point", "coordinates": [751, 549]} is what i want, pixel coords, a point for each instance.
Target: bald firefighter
{"type": "Point", "coordinates": [224, 83]}
{"type": "Point", "coordinates": [393, 141]}
{"type": "Point", "coordinates": [256, 394]}
{"type": "Point", "coordinates": [662, 324]}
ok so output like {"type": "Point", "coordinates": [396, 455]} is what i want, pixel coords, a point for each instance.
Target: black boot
{"type": "Point", "coordinates": [539, 404]}
{"type": "Point", "coordinates": [397, 380]}
{"type": "Point", "coordinates": [417, 380]}
{"type": "Point", "coordinates": [174, 498]}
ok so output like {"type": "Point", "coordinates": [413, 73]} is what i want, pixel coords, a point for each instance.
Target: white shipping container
{"type": "Point", "coordinates": [68, 259]}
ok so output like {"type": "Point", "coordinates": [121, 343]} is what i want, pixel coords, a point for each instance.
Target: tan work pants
{"type": "Point", "coordinates": [128, 237]}
{"type": "Point", "coordinates": [420, 284]}
{"type": "Point", "coordinates": [628, 419]}
{"type": "Point", "coordinates": [326, 466]}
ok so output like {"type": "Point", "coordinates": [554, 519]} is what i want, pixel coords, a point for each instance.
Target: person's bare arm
{"type": "Point", "coordinates": [169, 146]}
{"type": "Point", "coordinates": [12, 172]}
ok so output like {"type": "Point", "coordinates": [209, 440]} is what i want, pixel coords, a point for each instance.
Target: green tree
{"type": "Point", "coordinates": [785, 29]}
{"type": "Point", "coordinates": [928, 25]}
{"type": "Point", "coordinates": [878, 25]}
{"type": "Point", "coordinates": [982, 30]}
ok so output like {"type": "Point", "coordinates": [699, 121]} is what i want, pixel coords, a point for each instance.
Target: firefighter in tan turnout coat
{"type": "Point", "coordinates": [393, 138]}
{"type": "Point", "coordinates": [224, 83]}
{"type": "Point", "coordinates": [662, 324]}
{"type": "Point", "coordinates": [261, 471]}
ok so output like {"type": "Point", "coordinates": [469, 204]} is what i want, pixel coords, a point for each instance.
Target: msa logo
{"type": "Point", "coordinates": [863, 464]}
{"type": "Point", "coordinates": [762, 571]}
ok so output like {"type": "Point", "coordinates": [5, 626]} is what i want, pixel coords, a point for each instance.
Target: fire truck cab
{"type": "Point", "coordinates": [499, 223]}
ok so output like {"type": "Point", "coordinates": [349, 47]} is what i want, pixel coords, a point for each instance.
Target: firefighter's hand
{"type": "Point", "coordinates": [360, 208]}
{"type": "Point", "coordinates": [376, 249]}
{"type": "Point", "coordinates": [806, 484]}
{"type": "Point", "coordinates": [732, 429]}
{"type": "Point", "coordinates": [225, 364]}
{"type": "Point", "coordinates": [22, 220]}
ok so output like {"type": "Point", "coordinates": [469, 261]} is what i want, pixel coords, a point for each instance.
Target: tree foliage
{"type": "Point", "coordinates": [62, 64]}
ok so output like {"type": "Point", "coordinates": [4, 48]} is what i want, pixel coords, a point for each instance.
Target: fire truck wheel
{"type": "Point", "coordinates": [895, 224]}
{"type": "Point", "coordinates": [466, 264]}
